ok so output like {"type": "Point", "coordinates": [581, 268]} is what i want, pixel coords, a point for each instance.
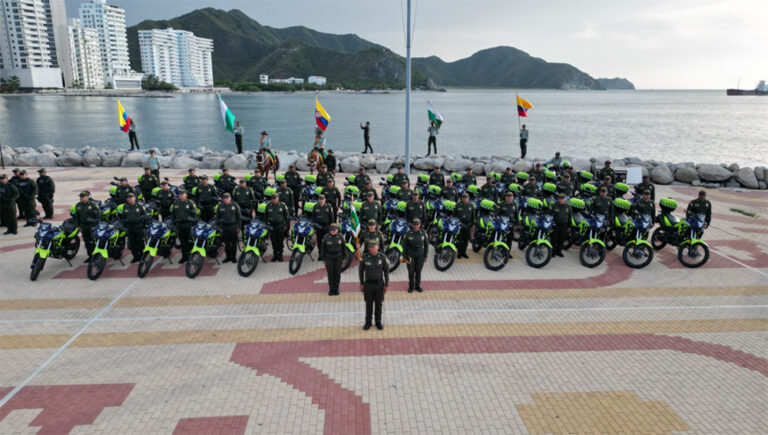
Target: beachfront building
{"type": "Point", "coordinates": [264, 79]}
{"type": "Point", "coordinates": [109, 22]}
{"type": "Point", "coordinates": [318, 80]}
{"type": "Point", "coordinates": [33, 42]}
{"type": "Point", "coordinates": [289, 80]}
{"type": "Point", "coordinates": [177, 57]}
{"type": "Point", "coordinates": [86, 56]}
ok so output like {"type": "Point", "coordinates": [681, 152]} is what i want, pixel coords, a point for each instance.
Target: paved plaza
{"type": "Point", "coordinates": [563, 349]}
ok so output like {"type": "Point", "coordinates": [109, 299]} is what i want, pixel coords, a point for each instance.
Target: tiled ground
{"type": "Point", "coordinates": [564, 349]}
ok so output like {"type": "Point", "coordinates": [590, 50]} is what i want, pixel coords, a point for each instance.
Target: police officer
{"type": "Point", "coordinates": [333, 248]}
{"type": "Point", "coordinates": [530, 189]}
{"type": "Point", "coordinates": [184, 214]}
{"type": "Point", "coordinates": [45, 190]}
{"type": "Point", "coordinates": [508, 208]}
{"type": "Point", "coordinates": [415, 251]}
{"type": "Point", "coordinates": [244, 197]}
{"type": "Point", "coordinates": [465, 213]}
{"type": "Point", "coordinates": [508, 177]}
{"type": "Point", "coordinates": [700, 205]}
{"type": "Point", "coordinates": [322, 215]}
{"type": "Point", "coordinates": [488, 190]}
{"type": "Point", "coordinates": [330, 161]}
{"type": "Point", "coordinates": [373, 272]}
{"type": "Point", "coordinates": [415, 209]}
{"type": "Point", "coordinates": [293, 181]}
{"type": "Point", "coordinates": [332, 196]}
{"type": "Point", "coordinates": [122, 191]}
{"type": "Point", "coordinates": [369, 233]}
{"type": "Point", "coordinates": [400, 176]}
{"type": "Point", "coordinates": [147, 182]}
{"type": "Point", "coordinates": [258, 183]}
{"type": "Point", "coordinates": [285, 195]}
{"type": "Point", "coordinates": [368, 188]}
{"type": "Point", "coordinates": [8, 196]}
{"type": "Point", "coordinates": [644, 206]}
{"type": "Point", "coordinates": [191, 181]}
{"type": "Point", "coordinates": [608, 186]}
{"type": "Point", "coordinates": [602, 204]}
{"type": "Point", "coordinates": [607, 171]}
{"type": "Point", "coordinates": [224, 181]}
{"type": "Point", "coordinates": [436, 178]}
{"type": "Point", "coordinates": [134, 217]}
{"type": "Point", "coordinates": [86, 217]}
{"type": "Point", "coordinates": [228, 216]}
{"type": "Point", "coordinates": [165, 200]}
{"type": "Point", "coordinates": [206, 198]}
{"type": "Point", "coordinates": [646, 185]}
{"type": "Point", "coordinates": [565, 186]}
{"type": "Point", "coordinates": [405, 193]}
{"type": "Point", "coordinates": [562, 215]}
{"type": "Point", "coordinates": [323, 175]}
{"type": "Point", "coordinates": [27, 193]}
{"type": "Point", "coordinates": [538, 174]}
{"type": "Point", "coordinates": [469, 177]}
{"type": "Point", "coordinates": [276, 216]}
{"type": "Point", "coordinates": [361, 179]}
{"type": "Point", "coordinates": [449, 192]}
{"type": "Point", "coordinates": [371, 209]}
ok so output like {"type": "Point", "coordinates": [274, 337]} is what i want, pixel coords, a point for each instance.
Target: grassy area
{"type": "Point", "coordinates": [745, 213]}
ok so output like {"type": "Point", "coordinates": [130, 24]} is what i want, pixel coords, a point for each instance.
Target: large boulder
{"type": "Point", "coordinates": [69, 158]}
{"type": "Point", "coordinates": [499, 166]}
{"type": "Point", "coordinates": [287, 160]}
{"type": "Point", "coordinates": [301, 165]}
{"type": "Point", "coordinates": [91, 158]}
{"type": "Point", "coordinates": [237, 161]}
{"type": "Point", "coordinates": [662, 175]}
{"type": "Point", "coordinates": [184, 162]}
{"type": "Point", "coordinates": [113, 159]}
{"type": "Point", "coordinates": [747, 178]}
{"type": "Point", "coordinates": [760, 173]}
{"type": "Point", "coordinates": [686, 174]}
{"type": "Point", "coordinates": [457, 165]}
{"type": "Point", "coordinates": [710, 172]}
{"type": "Point", "coordinates": [45, 159]}
{"type": "Point", "coordinates": [26, 159]}
{"type": "Point", "coordinates": [427, 163]}
{"type": "Point", "coordinates": [213, 162]}
{"type": "Point", "coordinates": [522, 166]}
{"type": "Point", "coordinates": [383, 165]}
{"type": "Point", "coordinates": [45, 149]}
{"type": "Point", "coordinates": [368, 161]}
{"type": "Point", "coordinates": [350, 164]}
{"type": "Point", "coordinates": [733, 167]}
{"type": "Point", "coordinates": [133, 160]}
{"type": "Point", "coordinates": [165, 161]}
{"type": "Point", "coordinates": [478, 168]}
{"type": "Point", "coordinates": [581, 165]}
{"type": "Point", "coordinates": [7, 158]}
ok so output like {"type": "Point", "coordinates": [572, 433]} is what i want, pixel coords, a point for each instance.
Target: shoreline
{"type": "Point", "coordinates": [662, 173]}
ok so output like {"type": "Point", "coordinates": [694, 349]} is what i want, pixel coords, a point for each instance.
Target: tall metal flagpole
{"type": "Point", "coordinates": [408, 94]}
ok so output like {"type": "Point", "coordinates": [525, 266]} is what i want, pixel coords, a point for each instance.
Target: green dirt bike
{"type": "Point", "coordinates": [207, 244]}
{"type": "Point", "coordinates": [494, 234]}
{"type": "Point", "coordinates": [442, 235]}
{"type": "Point", "coordinates": [255, 241]}
{"type": "Point", "coordinates": [350, 229]}
{"type": "Point", "coordinates": [54, 242]}
{"type": "Point", "coordinates": [397, 226]}
{"type": "Point", "coordinates": [110, 243]}
{"type": "Point", "coordinates": [160, 240]}
{"type": "Point", "coordinates": [587, 231]}
{"type": "Point", "coordinates": [632, 234]}
{"type": "Point", "coordinates": [300, 242]}
{"type": "Point", "coordinates": [538, 225]}
{"type": "Point", "coordinates": [685, 234]}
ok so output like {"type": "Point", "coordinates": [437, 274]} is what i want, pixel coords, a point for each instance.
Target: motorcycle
{"type": "Point", "coordinates": [386, 183]}
{"type": "Point", "coordinates": [207, 243]}
{"type": "Point", "coordinates": [109, 241]}
{"type": "Point", "coordinates": [422, 185]}
{"type": "Point", "coordinates": [497, 252]}
{"type": "Point", "coordinates": [254, 245]}
{"type": "Point", "coordinates": [55, 242]}
{"type": "Point", "coordinates": [538, 225]}
{"type": "Point", "coordinates": [685, 234]}
{"type": "Point", "coordinates": [300, 242]}
{"type": "Point", "coordinates": [396, 230]}
{"type": "Point", "coordinates": [485, 215]}
{"type": "Point", "coordinates": [632, 234]}
{"type": "Point", "coordinates": [161, 239]}
{"type": "Point", "coordinates": [445, 232]}
{"type": "Point", "coordinates": [588, 232]}
{"type": "Point", "coordinates": [309, 190]}
{"type": "Point", "coordinates": [349, 230]}
{"type": "Point", "coordinates": [458, 184]}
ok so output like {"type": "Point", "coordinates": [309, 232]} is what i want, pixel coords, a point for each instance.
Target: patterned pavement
{"type": "Point", "coordinates": [563, 349]}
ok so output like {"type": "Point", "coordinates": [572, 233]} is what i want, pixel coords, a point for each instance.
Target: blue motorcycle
{"type": "Point", "coordinates": [445, 250]}
{"type": "Point", "coordinates": [56, 242]}
{"type": "Point", "coordinates": [161, 238]}
{"type": "Point", "coordinates": [254, 244]}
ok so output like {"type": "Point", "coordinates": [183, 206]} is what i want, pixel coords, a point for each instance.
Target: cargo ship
{"type": "Point", "coordinates": [761, 89]}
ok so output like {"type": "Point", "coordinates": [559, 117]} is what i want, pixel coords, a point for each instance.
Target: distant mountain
{"type": "Point", "coordinates": [243, 49]}
{"type": "Point", "coordinates": [616, 83]}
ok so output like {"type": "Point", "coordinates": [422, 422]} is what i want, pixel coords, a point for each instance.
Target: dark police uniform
{"type": "Point", "coordinates": [322, 215]}
{"type": "Point", "coordinates": [183, 213]}
{"type": "Point", "coordinates": [373, 272]}
{"type": "Point", "coordinates": [293, 181]}
{"type": "Point", "coordinates": [415, 210]}
{"type": "Point", "coordinates": [366, 237]}
{"type": "Point", "coordinates": [245, 199]}
{"type": "Point", "coordinates": [45, 191]}
{"type": "Point", "coordinates": [8, 196]}
{"type": "Point", "coordinates": [642, 187]}
{"type": "Point", "coordinates": [364, 193]}
{"type": "Point", "coordinates": [228, 216]}
{"type": "Point", "coordinates": [333, 248]}
{"type": "Point", "coordinates": [507, 179]}
{"type": "Point", "coordinates": [607, 172]}
{"type": "Point", "coordinates": [698, 206]}
{"type": "Point", "coordinates": [330, 161]}
{"type": "Point", "coordinates": [134, 218]}
{"type": "Point", "coordinates": [27, 192]}
{"type": "Point", "coordinates": [225, 182]}
{"type": "Point", "coordinates": [190, 182]}
{"type": "Point", "coordinates": [276, 215]}
{"type": "Point", "coordinates": [205, 197]}
{"type": "Point", "coordinates": [641, 207]}
{"type": "Point", "coordinates": [398, 179]}
{"type": "Point", "coordinates": [323, 177]}
{"type": "Point", "coordinates": [531, 190]}
{"type": "Point", "coordinates": [147, 182]}
{"type": "Point", "coordinates": [415, 249]}
{"type": "Point", "coordinates": [361, 180]}
{"type": "Point", "coordinates": [509, 210]}
{"type": "Point", "coordinates": [562, 214]}
{"type": "Point", "coordinates": [87, 215]}
{"type": "Point", "coordinates": [258, 183]}
{"type": "Point", "coordinates": [469, 179]}
{"type": "Point", "coordinates": [603, 206]}
{"type": "Point", "coordinates": [286, 197]}
{"type": "Point", "coordinates": [565, 187]}
{"type": "Point", "coordinates": [404, 194]}
{"type": "Point", "coordinates": [121, 193]}
{"type": "Point", "coordinates": [371, 210]}
{"type": "Point", "coordinates": [609, 188]}
{"type": "Point", "coordinates": [165, 200]}
{"type": "Point", "coordinates": [465, 213]}
{"type": "Point", "coordinates": [488, 191]}
{"type": "Point", "coordinates": [437, 179]}
{"type": "Point", "coordinates": [538, 175]}
{"type": "Point", "coordinates": [333, 198]}
{"type": "Point", "coordinates": [450, 193]}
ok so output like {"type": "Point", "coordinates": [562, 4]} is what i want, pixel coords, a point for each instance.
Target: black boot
{"type": "Point", "coordinates": [367, 326]}
{"type": "Point", "coordinates": [379, 326]}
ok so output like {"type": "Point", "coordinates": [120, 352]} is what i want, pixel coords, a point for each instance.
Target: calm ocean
{"type": "Point", "coordinates": [699, 126]}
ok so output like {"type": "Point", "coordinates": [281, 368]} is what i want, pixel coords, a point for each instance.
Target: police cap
{"type": "Point", "coordinates": [226, 195]}
{"type": "Point", "coordinates": [607, 162]}
{"type": "Point", "coordinates": [3, 176]}
{"type": "Point", "coordinates": [123, 179]}
{"type": "Point", "coordinates": [334, 226]}
{"type": "Point", "coordinates": [181, 191]}
{"type": "Point", "coordinates": [603, 189]}
{"type": "Point", "coordinates": [509, 193]}
{"type": "Point", "coordinates": [371, 221]}
{"type": "Point", "coordinates": [561, 196]}
{"type": "Point", "coordinates": [130, 195]}
{"type": "Point", "coordinates": [224, 169]}
{"type": "Point", "coordinates": [16, 170]}
{"type": "Point", "coordinates": [243, 180]}
{"type": "Point", "coordinates": [164, 183]}
{"type": "Point", "coordinates": [701, 192]}
{"type": "Point", "coordinates": [321, 197]}
{"type": "Point", "coordinates": [41, 170]}
{"type": "Point", "coordinates": [646, 192]}
{"type": "Point", "coordinates": [191, 170]}
{"type": "Point", "coordinates": [417, 221]}
{"type": "Point", "coordinates": [324, 166]}
{"type": "Point", "coordinates": [465, 195]}
{"type": "Point", "coordinates": [23, 172]}
{"type": "Point", "coordinates": [82, 194]}
{"type": "Point", "coordinates": [373, 242]}
{"type": "Point", "coordinates": [415, 193]}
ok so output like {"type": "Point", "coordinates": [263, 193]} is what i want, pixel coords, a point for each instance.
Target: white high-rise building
{"type": "Point", "coordinates": [177, 57]}
{"type": "Point", "coordinates": [87, 72]}
{"type": "Point", "coordinates": [33, 42]}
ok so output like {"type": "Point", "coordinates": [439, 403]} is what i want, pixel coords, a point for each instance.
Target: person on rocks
{"type": "Point", "coordinates": [523, 141]}
{"type": "Point", "coordinates": [432, 141]}
{"type": "Point", "coordinates": [132, 135]}
{"type": "Point", "coordinates": [366, 136]}
{"type": "Point", "coordinates": [373, 273]}
{"type": "Point", "coordinates": [239, 131]}
{"type": "Point", "coordinates": [45, 192]}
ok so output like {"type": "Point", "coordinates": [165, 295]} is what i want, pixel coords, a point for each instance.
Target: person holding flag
{"type": "Point", "coordinates": [522, 111]}
{"type": "Point", "coordinates": [231, 125]}
{"type": "Point", "coordinates": [127, 125]}
{"type": "Point", "coordinates": [435, 121]}
{"type": "Point", "coordinates": [322, 118]}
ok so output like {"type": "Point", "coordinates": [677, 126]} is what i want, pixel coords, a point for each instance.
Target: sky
{"type": "Point", "coordinates": [656, 44]}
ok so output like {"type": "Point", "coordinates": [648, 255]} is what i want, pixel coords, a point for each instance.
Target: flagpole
{"type": "Point", "coordinates": [408, 95]}
{"type": "Point", "coordinates": [519, 127]}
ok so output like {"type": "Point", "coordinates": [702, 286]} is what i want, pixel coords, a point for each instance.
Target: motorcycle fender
{"type": "Point", "coordinates": [395, 245]}
{"type": "Point", "coordinates": [598, 241]}
{"type": "Point", "coordinates": [544, 242]}
{"type": "Point", "coordinates": [43, 253]}
{"type": "Point", "coordinates": [152, 250]}
{"type": "Point", "coordinates": [694, 242]}
{"type": "Point", "coordinates": [450, 245]}
{"type": "Point", "coordinates": [351, 247]}
{"type": "Point", "coordinates": [643, 242]}
{"type": "Point", "coordinates": [495, 244]}
{"type": "Point", "coordinates": [301, 248]}
{"type": "Point", "coordinates": [253, 249]}
{"type": "Point", "coordinates": [199, 250]}
{"type": "Point", "coordinates": [102, 252]}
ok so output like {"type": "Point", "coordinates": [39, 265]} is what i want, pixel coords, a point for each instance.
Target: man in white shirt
{"type": "Point", "coordinates": [433, 131]}
{"type": "Point", "coordinates": [523, 142]}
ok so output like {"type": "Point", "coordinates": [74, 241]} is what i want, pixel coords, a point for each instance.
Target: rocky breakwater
{"type": "Point", "coordinates": [686, 173]}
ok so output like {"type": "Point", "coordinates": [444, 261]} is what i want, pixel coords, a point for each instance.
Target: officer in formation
{"type": "Point", "coordinates": [8, 196]}
{"type": "Point", "coordinates": [165, 199]}
{"type": "Point", "coordinates": [508, 177]}
{"type": "Point", "coordinates": [191, 181]}
{"type": "Point", "coordinates": [530, 189]}
{"type": "Point", "coordinates": [538, 174]}
{"type": "Point", "coordinates": [26, 202]}
{"type": "Point", "coordinates": [488, 190]}
{"type": "Point", "coordinates": [508, 208]}
{"type": "Point", "coordinates": [449, 192]}
{"type": "Point", "coordinates": [371, 209]}
{"type": "Point", "coordinates": [405, 193]}
{"type": "Point", "coordinates": [368, 188]}
{"type": "Point", "coordinates": [469, 178]}
{"type": "Point", "coordinates": [465, 213]}
{"type": "Point", "coordinates": [700, 205]}
{"type": "Point", "coordinates": [373, 272]}
{"type": "Point", "coordinates": [122, 191]}
{"type": "Point", "coordinates": [415, 251]}
{"type": "Point", "coordinates": [322, 215]}
{"type": "Point", "coordinates": [87, 215]}
{"type": "Point", "coordinates": [286, 196]}
{"type": "Point", "coordinates": [370, 233]}
{"type": "Point", "coordinates": [607, 171]}
{"type": "Point", "coordinates": [276, 216]}
{"type": "Point", "coordinates": [332, 196]}
{"type": "Point", "coordinates": [566, 186]}
{"type": "Point", "coordinates": [258, 183]}
{"type": "Point", "coordinates": [644, 206]}
{"type": "Point", "coordinates": [400, 176]}
{"type": "Point", "coordinates": [184, 213]}
{"type": "Point", "coordinates": [224, 181]}
{"type": "Point", "coordinates": [205, 197]}
{"type": "Point", "coordinates": [323, 176]}
{"type": "Point", "coordinates": [415, 209]}
{"type": "Point", "coordinates": [228, 216]}
{"type": "Point", "coordinates": [602, 204]}
{"type": "Point", "coordinates": [245, 198]}
{"type": "Point", "coordinates": [562, 216]}
{"type": "Point", "coordinates": [293, 182]}
{"type": "Point", "coordinates": [333, 249]}
{"type": "Point", "coordinates": [134, 217]}
{"type": "Point", "coordinates": [646, 185]}
{"type": "Point", "coordinates": [147, 183]}
{"type": "Point", "coordinates": [608, 186]}
{"type": "Point", "coordinates": [45, 191]}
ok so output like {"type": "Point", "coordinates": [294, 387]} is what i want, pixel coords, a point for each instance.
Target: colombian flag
{"type": "Point", "coordinates": [321, 116]}
{"type": "Point", "coordinates": [523, 106]}
{"type": "Point", "coordinates": [125, 120]}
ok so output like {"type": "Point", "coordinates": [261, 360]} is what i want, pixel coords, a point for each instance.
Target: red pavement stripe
{"type": "Point", "coordinates": [229, 425]}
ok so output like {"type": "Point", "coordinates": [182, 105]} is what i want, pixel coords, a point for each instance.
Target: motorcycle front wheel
{"type": "Point", "coordinates": [637, 256]}
{"type": "Point", "coordinates": [658, 241]}
{"type": "Point", "coordinates": [294, 263]}
{"type": "Point", "coordinates": [538, 256]}
{"type": "Point", "coordinates": [71, 246]}
{"type": "Point", "coordinates": [495, 257]}
{"type": "Point", "coordinates": [591, 254]}
{"type": "Point", "coordinates": [247, 263]}
{"type": "Point", "coordinates": [145, 264]}
{"type": "Point", "coordinates": [476, 246]}
{"type": "Point", "coordinates": [610, 240]}
{"type": "Point", "coordinates": [37, 267]}
{"type": "Point", "coordinates": [693, 256]}
{"type": "Point", "coordinates": [444, 258]}
{"type": "Point", "coordinates": [393, 257]}
{"type": "Point", "coordinates": [194, 265]}
{"type": "Point", "coordinates": [96, 267]}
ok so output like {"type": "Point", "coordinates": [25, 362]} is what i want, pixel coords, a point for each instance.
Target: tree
{"type": "Point", "coordinates": [15, 84]}
{"type": "Point", "coordinates": [152, 83]}
{"type": "Point", "coordinates": [109, 86]}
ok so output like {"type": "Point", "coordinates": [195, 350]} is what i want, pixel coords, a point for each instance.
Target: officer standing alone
{"type": "Point", "coordinates": [373, 272]}
{"type": "Point", "coordinates": [333, 247]}
{"type": "Point", "coordinates": [45, 191]}
{"type": "Point", "coordinates": [700, 205]}
{"type": "Point", "coordinates": [8, 196]}
{"type": "Point", "coordinates": [416, 251]}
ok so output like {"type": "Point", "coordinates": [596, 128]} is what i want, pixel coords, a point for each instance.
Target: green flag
{"type": "Point", "coordinates": [227, 116]}
{"type": "Point", "coordinates": [434, 115]}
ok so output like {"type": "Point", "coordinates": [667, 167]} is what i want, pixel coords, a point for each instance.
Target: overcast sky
{"type": "Point", "coordinates": [657, 44]}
